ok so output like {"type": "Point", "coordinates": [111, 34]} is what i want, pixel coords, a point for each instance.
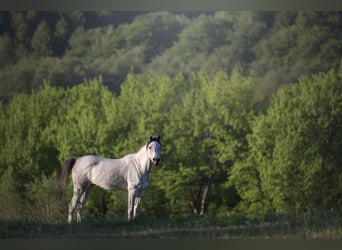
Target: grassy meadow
{"type": "Point", "coordinates": [318, 227]}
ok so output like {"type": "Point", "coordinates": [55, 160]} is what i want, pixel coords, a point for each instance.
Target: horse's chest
{"type": "Point", "coordinates": [143, 184]}
{"type": "Point", "coordinates": [145, 180]}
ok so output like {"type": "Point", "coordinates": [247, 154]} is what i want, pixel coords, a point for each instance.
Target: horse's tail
{"type": "Point", "coordinates": [64, 177]}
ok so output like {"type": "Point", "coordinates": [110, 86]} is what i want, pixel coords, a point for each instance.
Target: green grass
{"type": "Point", "coordinates": [190, 228]}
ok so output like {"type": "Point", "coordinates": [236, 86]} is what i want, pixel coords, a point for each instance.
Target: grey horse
{"type": "Point", "coordinates": [129, 173]}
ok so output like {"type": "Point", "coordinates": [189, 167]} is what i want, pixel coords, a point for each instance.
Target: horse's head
{"type": "Point", "coordinates": [153, 149]}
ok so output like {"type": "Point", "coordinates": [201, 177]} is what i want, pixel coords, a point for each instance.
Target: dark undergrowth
{"type": "Point", "coordinates": [311, 227]}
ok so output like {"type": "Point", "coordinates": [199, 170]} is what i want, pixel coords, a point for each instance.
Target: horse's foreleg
{"type": "Point", "coordinates": [137, 204]}
{"type": "Point", "coordinates": [131, 199]}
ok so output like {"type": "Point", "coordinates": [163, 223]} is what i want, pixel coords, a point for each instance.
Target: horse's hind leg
{"type": "Point", "coordinates": [82, 202]}
{"type": "Point", "coordinates": [73, 203]}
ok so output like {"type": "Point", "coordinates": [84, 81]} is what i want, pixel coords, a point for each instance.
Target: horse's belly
{"type": "Point", "coordinates": [110, 182]}
{"type": "Point", "coordinates": [116, 183]}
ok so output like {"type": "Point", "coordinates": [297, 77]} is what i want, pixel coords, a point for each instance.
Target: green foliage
{"type": "Point", "coordinates": [41, 40]}
{"type": "Point", "coordinates": [219, 41]}
{"type": "Point", "coordinates": [307, 43]}
{"type": "Point", "coordinates": [66, 47]}
{"type": "Point", "coordinates": [89, 119]}
{"type": "Point", "coordinates": [42, 201]}
{"type": "Point", "coordinates": [6, 51]}
{"type": "Point", "coordinates": [10, 199]}
{"type": "Point", "coordinates": [17, 78]}
{"type": "Point", "coordinates": [81, 125]}
{"type": "Point", "coordinates": [26, 145]}
{"type": "Point", "coordinates": [114, 52]}
{"type": "Point", "coordinates": [199, 81]}
{"type": "Point", "coordinates": [294, 157]}
{"type": "Point", "coordinates": [203, 121]}
{"type": "Point", "coordinates": [20, 26]}
{"type": "Point", "coordinates": [222, 152]}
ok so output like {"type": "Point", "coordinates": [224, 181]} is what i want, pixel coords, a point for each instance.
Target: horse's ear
{"type": "Point", "coordinates": [158, 138]}
{"type": "Point", "coordinates": [151, 138]}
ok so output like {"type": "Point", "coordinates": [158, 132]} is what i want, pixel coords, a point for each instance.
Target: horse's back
{"type": "Point", "coordinates": [84, 163]}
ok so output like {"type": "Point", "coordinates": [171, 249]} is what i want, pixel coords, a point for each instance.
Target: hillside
{"type": "Point", "coordinates": [66, 47]}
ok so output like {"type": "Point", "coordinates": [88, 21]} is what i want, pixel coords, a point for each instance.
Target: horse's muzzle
{"type": "Point", "coordinates": [156, 161]}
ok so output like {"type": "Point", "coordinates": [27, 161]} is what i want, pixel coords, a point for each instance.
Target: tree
{"type": "Point", "coordinates": [208, 114]}
{"type": "Point", "coordinates": [27, 148]}
{"type": "Point", "coordinates": [41, 40]}
{"type": "Point", "coordinates": [294, 157]}
{"type": "Point", "coordinates": [20, 27]}
{"type": "Point", "coordinates": [81, 125]}
{"type": "Point", "coordinates": [27, 151]}
{"type": "Point", "coordinates": [6, 51]}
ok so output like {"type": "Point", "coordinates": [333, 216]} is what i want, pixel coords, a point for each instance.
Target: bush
{"type": "Point", "coordinates": [42, 200]}
{"type": "Point", "coordinates": [11, 202]}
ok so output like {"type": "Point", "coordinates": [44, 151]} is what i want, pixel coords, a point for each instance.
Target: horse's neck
{"type": "Point", "coordinates": [142, 160]}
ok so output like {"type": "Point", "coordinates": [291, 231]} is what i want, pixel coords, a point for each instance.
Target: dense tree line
{"type": "Point", "coordinates": [248, 106]}
{"type": "Point", "coordinates": [224, 150]}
